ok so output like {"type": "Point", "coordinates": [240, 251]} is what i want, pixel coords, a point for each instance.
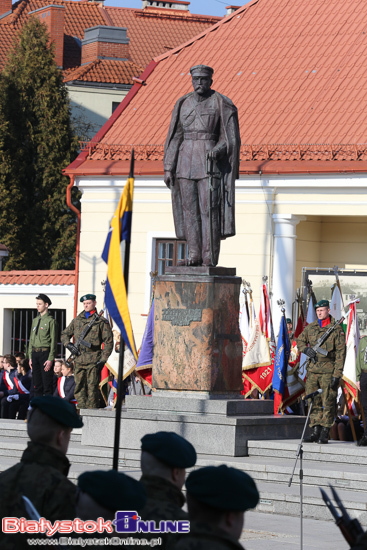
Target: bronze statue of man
{"type": "Point", "coordinates": [201, 164]}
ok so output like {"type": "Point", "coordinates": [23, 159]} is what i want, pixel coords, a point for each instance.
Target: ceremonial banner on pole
{"type": "Point", "coordinates": [145, 360]}
{"type": "Point", "coordinates": [118, 237]}
{"type": "Point", "coordinates": [281, 364]}
{"type": "Point", "coordinates": [294, 385]}
{"type": "Point", "coordinates": [116, 295]}
{"type": "Point", "coordinates": [336, 303]}
{"type": "Point", "coordinates": [258, 362]}
{"type": "Point", "coordinates": [353, 337]}
{"type": "Point", "coordinates": [310, 318]}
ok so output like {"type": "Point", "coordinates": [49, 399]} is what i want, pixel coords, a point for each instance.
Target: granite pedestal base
{"type": "Point", "coordinates": [214, 427]}
{"type": "Point", "coordinates": [197, 341]}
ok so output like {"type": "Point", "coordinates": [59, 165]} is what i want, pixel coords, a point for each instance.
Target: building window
{"type": "Point", "coordinates": [115, 104]}
{"type": "Point", "coordinates": [21, 328]}
{"type": "Point", "coordinates": [168, 253]}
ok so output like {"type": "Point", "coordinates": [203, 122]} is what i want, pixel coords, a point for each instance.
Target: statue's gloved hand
{"type": "Point", "coordinates": [73, 349]}
{"type": "Point", "coordinates": [168, 179]}
{"type": "Point", "coordinates": [219, 151]}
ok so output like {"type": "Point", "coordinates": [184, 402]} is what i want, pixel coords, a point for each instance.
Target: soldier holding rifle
{"type": "Point", "coordinates": [87, 351]}
{"type": "Point", "coordinates": [324, 369]}
{"type": "Point", "coordinates": [201, 164]}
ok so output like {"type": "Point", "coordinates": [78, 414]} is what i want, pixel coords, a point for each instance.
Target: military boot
{"type": "Point", "coordinates": [324, 435]}
{"type": "Point", "coordinates": [363, 441]}
{"type": "Point", "coordinates": [314, 434]}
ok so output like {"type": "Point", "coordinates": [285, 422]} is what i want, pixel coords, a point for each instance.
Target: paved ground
{"type": "Point", "coordinates": [272, 532]}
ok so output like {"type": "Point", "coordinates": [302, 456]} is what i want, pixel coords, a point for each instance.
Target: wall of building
{"type": "Point", "coordinates": [315, 207]}
{"type": "Point", "coordinates": [93, 104]}
{"type": "Point", "coordinates": [24, 297]}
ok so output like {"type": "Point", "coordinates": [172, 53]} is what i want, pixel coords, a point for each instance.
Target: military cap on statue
{"type": "Point", "coordinates": [223, 488]}
{"type": "Point", "coordinates": [87, 297]}
{"type": "Point", "coordinates": [202, 70]}
{"type": "Point", "coordinates": [170, 448]}
{"type": "Point", "coordinates": [44, 298]}
{"type": "Point", "coordinates": [58, 409]}
{"type": "Point", "coordinates": [322, 303]}
{"type": "Point", "coordinates": [113, 490]}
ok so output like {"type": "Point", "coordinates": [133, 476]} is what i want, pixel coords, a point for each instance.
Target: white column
{"type": "Point", "coordinates": [284, 264]}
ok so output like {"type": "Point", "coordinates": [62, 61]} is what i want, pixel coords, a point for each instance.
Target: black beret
{"type": "Point", "coordinates": [113, 490]}
{"type": "Point", "coordinates": [170, 448]}
{"type": "Point", "coordinates": [87, 297]}
{"type": "Point", "coordinates": [223, 488]}
{"type": "Point", "coordinates": [60, 410]}
{"type": "Point", "coordinates": [322, 303]}
{"type": "Point", "coordinates": [289, 320]}
{"type": "Point", "coordinates": [44, 298]}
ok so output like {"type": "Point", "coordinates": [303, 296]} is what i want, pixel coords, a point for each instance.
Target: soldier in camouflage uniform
{"type": "Point", "coordinates": [89, 364]}
{"type": "Point", "coordinates": [164, 459]}
{"type": "Point", "coordinates": [41, 475]}
{"type": "Point", "coordinates": [361, 376]}
{"type": "Point", "coordinates": [217, 497]}
{"type": "Point", "coordinates": [323, 371]}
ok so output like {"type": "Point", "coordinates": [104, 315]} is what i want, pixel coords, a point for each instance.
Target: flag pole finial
{"type": "Point", "coordinates": [131, 175]}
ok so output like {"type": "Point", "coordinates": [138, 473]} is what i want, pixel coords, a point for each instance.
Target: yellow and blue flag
{"type": "Point", "coordinates": [116, 295]}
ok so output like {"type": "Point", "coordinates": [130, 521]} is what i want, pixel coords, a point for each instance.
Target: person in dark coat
{"type": "Point", "coordinates": [66, 384]}
{"type": "Point", "coordinates": [8, 388]}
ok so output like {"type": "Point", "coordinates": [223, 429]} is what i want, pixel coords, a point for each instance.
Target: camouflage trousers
{"type": "Point", "coordinates": [324, 405]}
{"type": "Point", "coordinates": [87, 391]}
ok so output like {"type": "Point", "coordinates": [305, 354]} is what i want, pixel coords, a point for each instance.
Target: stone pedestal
{"type": "Point", "coordinates": [197, 341]}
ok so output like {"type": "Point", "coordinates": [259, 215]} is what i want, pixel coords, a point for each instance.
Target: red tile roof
{"type": "Point", "coordinates": [151, 32]}
{"type": "Point", "coordinates": [39, 277]}
{"type": "Point", "coordinates": [105, 70]}
{"type": "Point", "coordinates": [296, 72]}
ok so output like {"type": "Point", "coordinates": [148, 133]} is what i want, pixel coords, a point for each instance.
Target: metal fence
{"type": "Point", "coordinates": [21, 326]}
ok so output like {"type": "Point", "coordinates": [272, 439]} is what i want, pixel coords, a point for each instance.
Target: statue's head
{"type": "Point", "coordinates": [201, 78]}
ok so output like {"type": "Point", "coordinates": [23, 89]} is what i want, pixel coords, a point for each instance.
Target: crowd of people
{"type": "Point", "coordinates": [217, 496]}
{"type": "Point", "coordinates": [17, 384]}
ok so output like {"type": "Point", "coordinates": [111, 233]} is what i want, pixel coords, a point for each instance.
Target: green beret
{"type": "Point", "coordinates": [60, 410]}
{"type": "Point", "coordinates": [322, 303]}
{"type": "Point", "coordinates": [223, 488]}
{"type": "Point", "coordinates": [289, 320]}
{"type": "Point", "coordinates": [170, 448]}
{"type": "Point", "coordinates": [113, 490]}
{"type": "Point", "coordinates": [87, 297]}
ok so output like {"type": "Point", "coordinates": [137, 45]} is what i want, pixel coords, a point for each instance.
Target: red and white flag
{"type": "Point", "coordinates": [258, 363]}
{"type": "Point", "coordinates": [352, 337]}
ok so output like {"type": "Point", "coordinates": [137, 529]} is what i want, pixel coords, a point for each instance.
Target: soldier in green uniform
{"type": "Point", "coordinates": [323, 371]}
{"type": "Point", "coordinates": [164, 459]}
{"type": "Point", "coordinates": [361, 375]}
{"type": "Point", "coordinates": [41, 475]}
{"type": "Point", "coordinates": [89, 364]}
{"type": "Point", "coordinates": [217, 498]}
{"type": "Point", "coordinates": [42, 347]}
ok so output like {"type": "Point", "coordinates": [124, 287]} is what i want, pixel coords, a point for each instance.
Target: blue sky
{"type": "Point", "coordinates": [206, 7]}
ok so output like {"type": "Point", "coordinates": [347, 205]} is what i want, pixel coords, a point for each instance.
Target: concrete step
{"type": "Point", "coordinates": [278, 498]}
{"type": "Point", "coordinates": [18, 429]}
{"type": "Point", "coordinates": [343, 452]}
{"type": "Point", "coordinates": [349, 477]}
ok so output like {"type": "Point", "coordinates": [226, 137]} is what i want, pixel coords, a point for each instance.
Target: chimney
{"type": "Point", "coordinates": [231, 9]}
{"type": "Point", "coordinates": [53, 17]}
{"type": "Point", "coordinates": [104, 42]}
{"type": "Point", "coordinates": [175, 5]}
{"type": "Point", "coordinates": [5, 8]}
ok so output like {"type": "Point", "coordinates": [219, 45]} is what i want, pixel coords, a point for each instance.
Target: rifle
{"type": "Point", "coordinates": [351, 528]}
{"type": "Point", "coordinates": [75, 348]}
